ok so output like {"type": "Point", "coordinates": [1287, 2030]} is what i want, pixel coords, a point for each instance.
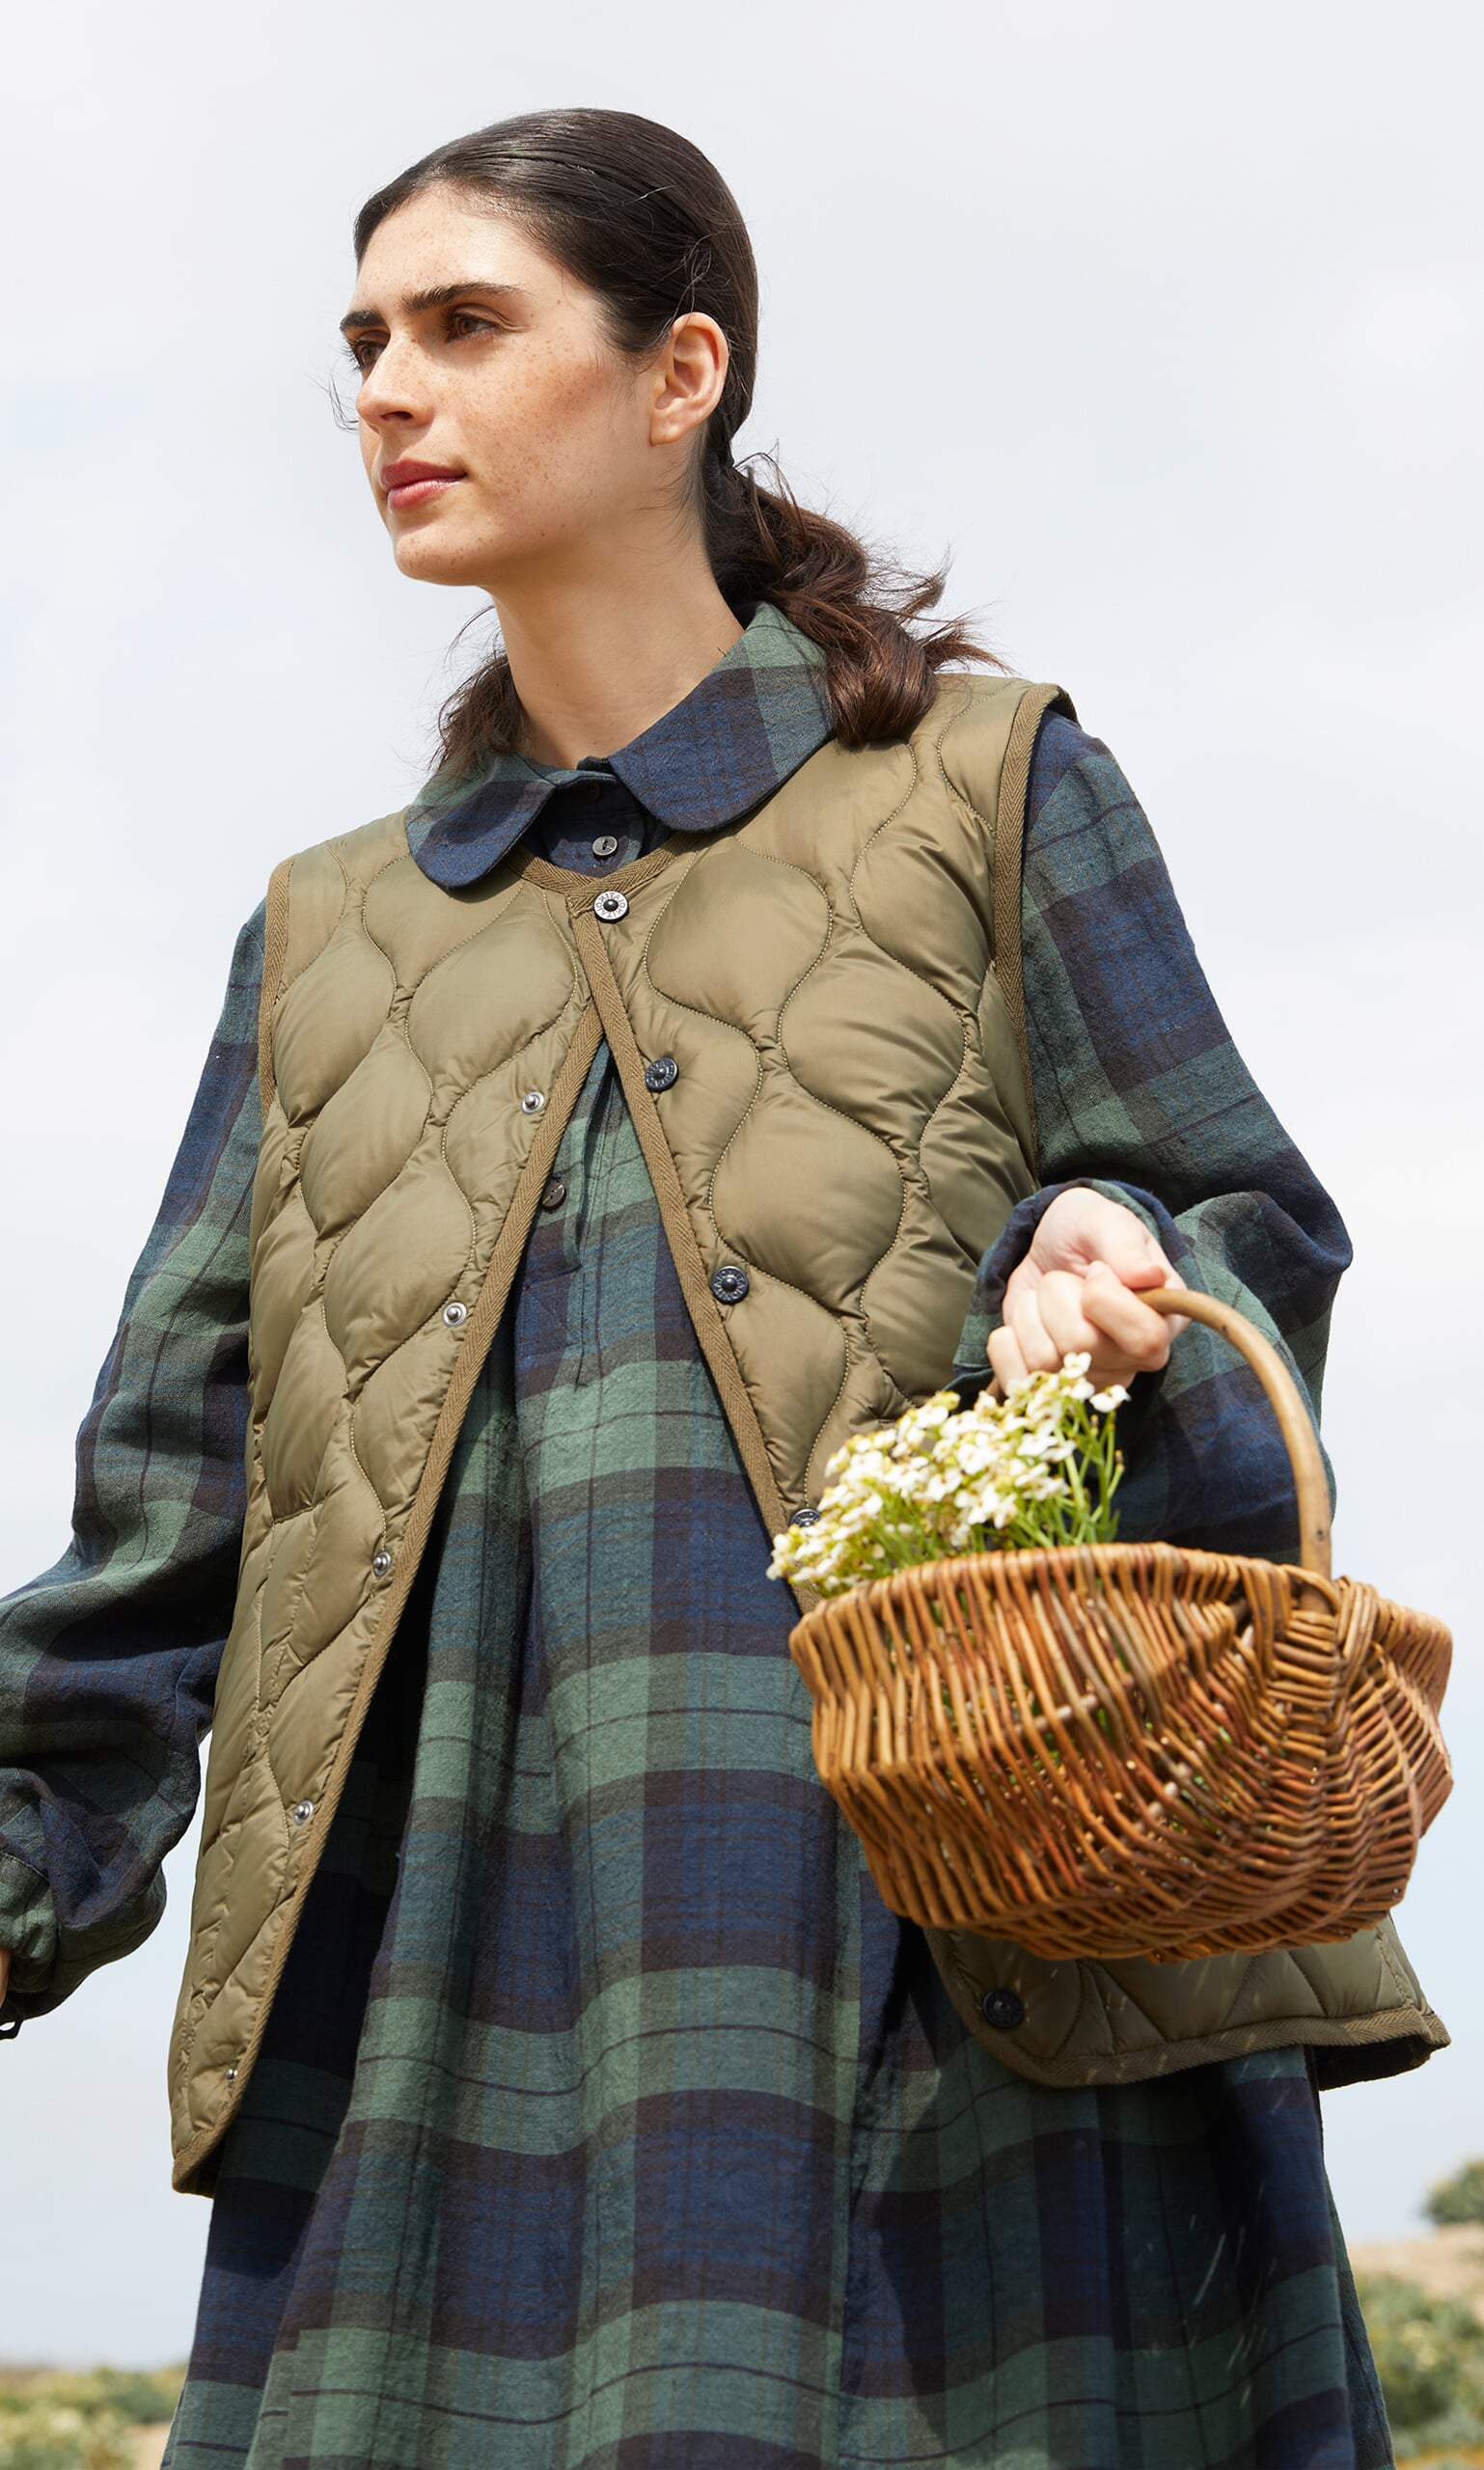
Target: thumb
{"type": "Point", "coordinates": [1122, 1247]}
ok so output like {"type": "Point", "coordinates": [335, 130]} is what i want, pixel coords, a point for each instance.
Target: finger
{"type": "Point", "coordinates": [1059, 1302]}
{"type": "Point", "coordinates": [1039, 1349]}
{"type": "Point", "coordinates": [1141, 1337]}
{"type": "Point", "coordinates": [1024, 1279]}
{"type": "Point", "coordinates": [1123, 1243]}
{"type": "Point", "coordinates": [1174, 1322]}
{"type": "Point", "coordinates": [1006, 1361]}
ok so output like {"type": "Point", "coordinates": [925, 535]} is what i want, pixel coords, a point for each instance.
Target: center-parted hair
{"type": "Point", "coordinates": [638, 215]}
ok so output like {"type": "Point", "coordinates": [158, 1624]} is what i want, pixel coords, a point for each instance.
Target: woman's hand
{"type": "Point", "coordinates": [1076, 1293]}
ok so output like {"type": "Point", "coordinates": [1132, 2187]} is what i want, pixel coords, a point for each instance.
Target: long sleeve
{"type": "Point", "coordinates": [1140, 1093]}
{"type": "Point", "coordinates": [108, 1663]}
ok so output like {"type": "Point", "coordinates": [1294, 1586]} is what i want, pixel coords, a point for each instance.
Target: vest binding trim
{"type": "Point", "coordinates": [189, 2175]}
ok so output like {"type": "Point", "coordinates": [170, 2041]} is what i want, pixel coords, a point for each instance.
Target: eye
{"type": "Point", "coordinates": [362, 352]}
{"type": "Point", "coordinates": [464, 322]}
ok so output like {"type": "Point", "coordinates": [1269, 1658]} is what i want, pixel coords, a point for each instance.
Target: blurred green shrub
{"type": "Point", "coordinates": [56, 2422]}
{"type": "Point", "coordinates": [1430, 2358]}
{"type": "Point", "coordinates": [1460, 2198]}
{"type": "Point", "coordinates": [143, 2401]}
{"type": "Point", "coordinates": [48, 2435]}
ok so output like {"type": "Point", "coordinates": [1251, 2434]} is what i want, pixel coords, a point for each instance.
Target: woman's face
{"type": "Point", "coordinates": [503, 433]}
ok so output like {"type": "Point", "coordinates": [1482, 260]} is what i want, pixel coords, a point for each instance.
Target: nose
{"type": "Point", "coordinates": [394, 391]}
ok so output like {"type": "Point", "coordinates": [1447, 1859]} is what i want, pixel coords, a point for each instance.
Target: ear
{"type": "Point", "coordinates": [689, 374]}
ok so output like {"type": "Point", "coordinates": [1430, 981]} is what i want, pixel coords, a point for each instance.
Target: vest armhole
{"type": "Point", "coordinates": [1009, 865]}
{"type": "Point", "coordinates": [275, 951]}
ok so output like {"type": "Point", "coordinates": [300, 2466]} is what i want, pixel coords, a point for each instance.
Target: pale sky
{"type": "Point", "coordinates": [1165, 319]}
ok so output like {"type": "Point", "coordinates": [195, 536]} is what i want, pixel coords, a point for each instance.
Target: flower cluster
{"type": "Point", "coordinates": [1038, 1468]}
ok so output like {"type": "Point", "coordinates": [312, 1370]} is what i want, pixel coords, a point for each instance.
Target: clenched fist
{"type": "Point", "coordinates": [1077, 1293]}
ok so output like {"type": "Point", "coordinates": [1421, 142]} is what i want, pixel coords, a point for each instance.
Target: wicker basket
{"type": "Point", "coordinates": [1130, 1749]}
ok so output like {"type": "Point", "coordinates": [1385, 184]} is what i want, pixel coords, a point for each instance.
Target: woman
{"type": "Point", "coordinates": [628, 1121]}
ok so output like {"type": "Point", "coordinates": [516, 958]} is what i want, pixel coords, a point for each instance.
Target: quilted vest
{"type": "Point", "coordinates": [848, 1130]}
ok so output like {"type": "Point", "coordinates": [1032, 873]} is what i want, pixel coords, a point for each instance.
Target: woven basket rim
{"type": "Point", "coordinates": [1138, 1746]}
{"type": "Point", "coordinates": [1074, 1560]}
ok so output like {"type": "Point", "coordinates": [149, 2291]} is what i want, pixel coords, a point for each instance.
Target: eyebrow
{"type": "Point", "coordinates": [443, 295]}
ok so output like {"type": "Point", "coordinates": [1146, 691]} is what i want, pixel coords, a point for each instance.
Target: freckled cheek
{"type": "Point", "coordinates": [538, 431]}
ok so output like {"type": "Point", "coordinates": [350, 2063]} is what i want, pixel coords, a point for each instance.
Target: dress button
{"type": "Point", "coordinates": [456, 1312]}
{"type": "Point", "coordinates": [605, 845]}
{"type": "Point", "coordinates": [610, 906]}
{"type": "Point", "coordinates": [555, 1194]}
{"type": "Point", "coordinates": [303, 1812]}
{"type": "Point", "coordinates": [730, 1284]}
{"type": "Point", "coordinates": [1003, 2008]}
{"type": "Point", "coordinates": [381, 1562]}
{"type": "Point", "coordinates": [662, 1074]}
{"type": "Point", "coordinates": [532, 1102]}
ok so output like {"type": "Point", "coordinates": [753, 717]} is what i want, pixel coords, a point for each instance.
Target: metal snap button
{"type": "Point", "coordinates": [555, 1194]}
{"type": "Point", "coordinates": [662, 1074]}
{"type": "Point", "coordinates": [605, 845]}
{"type": "Point", "coordinates": [232, 2075]}
{"type": "Point", "coordinates": [1003, 2008]}
{"type": "Point", "coordinates": [729, 1285]}
{"type": "Point", "coordinates": [303, 1812]}
{"type": "Point", "coordinates": [807, 1518]}
{"type": "Point", "coordinates": [381, 1562]}
{"type": "Point", "coordinates": [610, 906]}
{"type": "Point", "coordinates": [532, 1102]}
{"type": "Point", "coordinates": [456, 1312]}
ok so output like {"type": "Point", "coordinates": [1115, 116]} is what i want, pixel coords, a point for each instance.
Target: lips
{"type": "Point", "coordinates": [408, 483]}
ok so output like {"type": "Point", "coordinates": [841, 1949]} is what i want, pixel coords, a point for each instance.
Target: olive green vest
{"type": "Point", "coordinates": [849, 1128]}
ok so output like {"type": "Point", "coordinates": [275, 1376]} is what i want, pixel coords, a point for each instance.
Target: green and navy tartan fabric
{"type": "Point", "coordinates": [606, 2117]}
{"type": "Point", "coordinates": [661, 2143]}
{"type": "Point", "coordinates": [761, 712]}
{"type": "Point", "coordinates": [1141, 1092]}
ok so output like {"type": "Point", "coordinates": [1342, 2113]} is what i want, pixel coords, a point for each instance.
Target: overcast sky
{"type": "Point", "coordinates": [1166, 318]}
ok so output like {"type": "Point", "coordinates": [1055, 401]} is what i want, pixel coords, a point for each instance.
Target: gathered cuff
{"type": "Point", "coordinates": [28, 1929]}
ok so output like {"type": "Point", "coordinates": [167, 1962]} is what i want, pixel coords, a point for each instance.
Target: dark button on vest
{"type": "Point", "coordinates": [730, 1284]}
{"type": "Point", "coordinates": [1003, 2010]}
{"type": "Point", "coordinates": [662, 1074]}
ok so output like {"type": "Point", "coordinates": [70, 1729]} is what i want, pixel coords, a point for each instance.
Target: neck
{"type": "Point", "coordinates": [598, 657]}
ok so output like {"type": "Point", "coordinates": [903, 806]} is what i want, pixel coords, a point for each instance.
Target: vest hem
{"type": "Point", "coordinates": [1353, 2050]}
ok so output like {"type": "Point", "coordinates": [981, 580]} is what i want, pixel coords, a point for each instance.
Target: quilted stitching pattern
{"type": "Point", "coordinates": [847, 1123]}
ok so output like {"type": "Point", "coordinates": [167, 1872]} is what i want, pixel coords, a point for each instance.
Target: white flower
{"type": "Point", "coordinates": [947, 1480]}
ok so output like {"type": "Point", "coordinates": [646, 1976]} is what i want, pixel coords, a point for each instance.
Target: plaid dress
{"type": "Point", "coordinates": [606, 2119]}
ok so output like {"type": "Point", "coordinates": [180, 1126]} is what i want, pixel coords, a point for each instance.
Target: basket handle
{"type": "Point", "coordinates": [1294, 1421]}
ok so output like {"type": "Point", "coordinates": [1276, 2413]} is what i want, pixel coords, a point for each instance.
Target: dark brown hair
{"type": "Point", "coordinates": [640, 217]}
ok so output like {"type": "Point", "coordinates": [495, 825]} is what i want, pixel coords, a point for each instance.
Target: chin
{"type": "Point", "coordinates": [425, 559]}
